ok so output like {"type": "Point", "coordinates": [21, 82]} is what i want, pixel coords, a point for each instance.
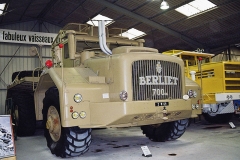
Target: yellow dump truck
{"type": "Point", "coordinates": [220, 83]}
{"type": "Point", "coordinates": [98, 79]}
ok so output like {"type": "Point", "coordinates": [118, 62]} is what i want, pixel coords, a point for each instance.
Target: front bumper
{"type": "Point", "coordinates": [135, 113]}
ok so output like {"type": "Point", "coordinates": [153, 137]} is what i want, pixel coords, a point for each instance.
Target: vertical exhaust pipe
{"type": "Point", "coordinates": [102, 38]}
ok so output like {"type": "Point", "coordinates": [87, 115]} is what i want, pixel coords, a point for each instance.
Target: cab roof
{"type": "Point", "coordinates": [189, 53]}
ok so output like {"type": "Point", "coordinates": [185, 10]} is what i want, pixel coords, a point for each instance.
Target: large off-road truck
{"type": "Point", "coordinates": [98, 79]}
{"type": "Point", "coordinates": [220, 83]}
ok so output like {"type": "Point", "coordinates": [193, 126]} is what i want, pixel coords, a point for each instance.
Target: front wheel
{"type": "Point", "coordinates": [62, 141]}
{"type": "Point", "coordinates": [165, 131]}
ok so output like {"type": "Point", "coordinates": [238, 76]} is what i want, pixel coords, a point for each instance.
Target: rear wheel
{"type": "Point", "coordinates": [62, 141]}
{"type": "Point", "coordinates": [14, 116]}
{"type": "Point", "coordinates": [15, 121]}
{"type": "Point", "coordinates": [24, 114]}
{"type": "Point", "coordinates": [165, 131]}
{"type": "Point", "coordinates": [217, 118]}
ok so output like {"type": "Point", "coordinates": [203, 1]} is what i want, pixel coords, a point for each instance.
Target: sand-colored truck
{"type": "Point", "coordinates": [219, 80]}
{"type": "Point", "coordinates": [99, 79]}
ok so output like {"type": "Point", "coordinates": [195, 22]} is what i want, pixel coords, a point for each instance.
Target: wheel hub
{"type": "Point", "coordinates": [53, 123]}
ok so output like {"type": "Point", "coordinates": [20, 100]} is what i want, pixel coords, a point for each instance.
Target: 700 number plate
{"type": "Point", "coordinates": [161, 104]}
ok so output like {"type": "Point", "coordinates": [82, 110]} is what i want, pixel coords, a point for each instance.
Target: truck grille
{"type": "Point", "coordinates": [156, 80]}
{"type": "Point", "coordinates": [232, 77]}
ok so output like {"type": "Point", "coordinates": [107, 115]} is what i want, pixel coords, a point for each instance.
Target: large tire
{"type": "Point", "coordinates": [14, 116]}
{"type": "Point", "coordinates": [24, 114]}
{"type": "Point", "coordinates": [165, 131]}
{"type": "Point", "coordinates": [219, 118]}
{"type": "Point", "coordinates": [62, 141]}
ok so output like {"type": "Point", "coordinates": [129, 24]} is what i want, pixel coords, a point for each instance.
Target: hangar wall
{"type": "Point", "coordinates": [14, 56]}
{"type": "Point", "coordinates": [224, 56]}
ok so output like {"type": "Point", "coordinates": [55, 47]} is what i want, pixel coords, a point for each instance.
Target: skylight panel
{"type": "Point", "coordinates": [99, 17]}
{"type": "Point", "coordinates": [133, 33]}
{"type": "Point", "coordinates": [2, 6]}
{"type": "Point", "coordinates": [195, 7]}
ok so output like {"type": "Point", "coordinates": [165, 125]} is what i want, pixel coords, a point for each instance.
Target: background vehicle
{"type": "Point", "coordinates": [220, 83]}
{"type": "Point", "coordinates": [98, 82]}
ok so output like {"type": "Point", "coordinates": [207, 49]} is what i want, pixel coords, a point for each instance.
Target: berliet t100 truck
{"type": "Point", "coordinates": [98, 79]}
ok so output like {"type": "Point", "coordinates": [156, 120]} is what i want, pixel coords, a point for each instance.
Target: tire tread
{"type": "Point", "coordinates": [166, 131]}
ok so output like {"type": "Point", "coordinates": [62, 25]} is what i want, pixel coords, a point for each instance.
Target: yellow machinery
{"type": "Point", "coordinates": [220, 83]}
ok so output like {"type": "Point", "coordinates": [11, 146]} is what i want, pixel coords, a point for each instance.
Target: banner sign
{"type": "Point", "coordinates": [14, 36]}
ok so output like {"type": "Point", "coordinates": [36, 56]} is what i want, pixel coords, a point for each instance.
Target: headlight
{"type": "Point", "coordinates": [197, 106]}
{"type": "Point", "coordinates": [193, 106]}
{"type": "Point", "coordinates": [77, 97]}
{"type": "Point", "coordinates": [123, 95]}
{"type": "Point", "coordinates": [75, 115]}
{"type": "Point", "coordinates": [82, 114]}
{"type": "Point", "coordinates": [192, 93]}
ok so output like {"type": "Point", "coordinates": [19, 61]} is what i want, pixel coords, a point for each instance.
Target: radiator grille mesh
{"type": "Point", "coordinates": [162, 80]}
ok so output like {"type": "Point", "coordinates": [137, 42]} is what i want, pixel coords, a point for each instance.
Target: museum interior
{"type": "Point", "coordinates": [119, 79]}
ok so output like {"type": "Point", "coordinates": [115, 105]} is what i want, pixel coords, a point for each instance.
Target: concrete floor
{"type": "Point", "coordinates": [200, 141]}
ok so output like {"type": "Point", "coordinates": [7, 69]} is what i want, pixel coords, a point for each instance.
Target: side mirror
{"type": "Point", "coordinates": [33, 52]}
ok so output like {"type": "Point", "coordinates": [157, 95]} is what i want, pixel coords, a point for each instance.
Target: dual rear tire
{"type": "Point", "coordinates": [23, 114]}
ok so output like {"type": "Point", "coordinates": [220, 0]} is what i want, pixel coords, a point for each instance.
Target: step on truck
{"type": "Point", "coordinates": [99, 79]}
{"type": "Point", "coordinates": [220, 83]}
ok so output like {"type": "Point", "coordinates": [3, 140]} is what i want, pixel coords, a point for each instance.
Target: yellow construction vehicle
{"type": "Point", "coordinates": [98, 79]}
{"type": "Point", "coordinates": [220, 83]}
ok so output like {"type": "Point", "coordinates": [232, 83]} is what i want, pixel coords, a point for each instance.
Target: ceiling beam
{"type": "Point", "coordinates": [73, 10]}
{"type": "Point", "coordinates": [25, 10]}
{"type": "Point", "coordinates": [216, 21]}
{"type": "Point", "coordinates": [47, 8]}
{"type": "Point", "coordinates": [150, 23]}
{"type": "Point", "coordinates": [163, 12]}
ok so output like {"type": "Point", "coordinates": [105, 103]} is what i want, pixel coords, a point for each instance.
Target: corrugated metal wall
{"type": "Point", "coordinates": [234, 52]}
{"type": "Point", "coordinates": [21, 60]}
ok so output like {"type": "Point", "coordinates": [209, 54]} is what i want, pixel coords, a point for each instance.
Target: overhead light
{"type": "Point", "coordinates": [2, 6]}
{"type": "Point", "coordinates": [133, 33]}
{"type": "Point", "coordinates": [99, 17]}
{"type": "Point", "coordinates": [237, 45]}
{"type": "Point", "coordinates": [164, 5]}
{"type": "Point", "coordinates": [196, 7]}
